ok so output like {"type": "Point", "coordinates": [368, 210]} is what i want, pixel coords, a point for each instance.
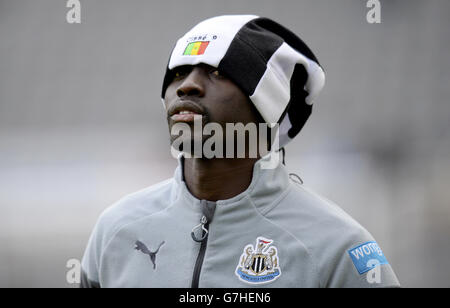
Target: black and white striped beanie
{"type": "Point", "coordinates": [270, 64]}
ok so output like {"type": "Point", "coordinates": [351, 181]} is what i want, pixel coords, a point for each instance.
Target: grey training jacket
{"type": "Point", "coordinates": [277, 233]}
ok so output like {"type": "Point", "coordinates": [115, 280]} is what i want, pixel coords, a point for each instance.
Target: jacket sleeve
{"type": "Point", "coordinates": [87, 283]}
{"type": "Point", "coordinates": [91, 259]}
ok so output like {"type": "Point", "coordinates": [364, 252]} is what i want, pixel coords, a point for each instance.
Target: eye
{"type": "Point", "coordinates": [180, 72]}
{"type": "Point", "coordinates": [179, 75]}
{"type": "Point", "coordinates": [216, 73]}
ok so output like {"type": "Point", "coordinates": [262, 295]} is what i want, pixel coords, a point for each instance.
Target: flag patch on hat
{"type": "Point", "coordinates": [196, 48]}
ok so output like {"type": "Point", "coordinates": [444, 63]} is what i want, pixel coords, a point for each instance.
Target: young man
{"type": "Point", "coordinates": [229, 221]}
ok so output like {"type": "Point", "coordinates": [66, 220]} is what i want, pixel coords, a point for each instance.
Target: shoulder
{"type": "Point", "coordinates": [323, 217]}
{"type": "Point", "coordinates": [125, 211]}
{"type": "Point", "coordinates": [329, 234]}
{"type": "Point", "coordinates": [134, 206]}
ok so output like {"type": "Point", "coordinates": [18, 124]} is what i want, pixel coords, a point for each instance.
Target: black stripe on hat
{"type": "Point", "coordinates": [289, 37]}
{"type": "Point", "coordinates": [246, 58]}
{"type": "Point", "coordinates": [297, 110]}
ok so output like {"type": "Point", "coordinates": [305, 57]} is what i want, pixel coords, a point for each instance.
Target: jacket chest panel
{"type": "Point", "coordinates": [256, 253]}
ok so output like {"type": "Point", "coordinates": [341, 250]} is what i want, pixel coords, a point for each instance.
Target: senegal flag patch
{"type": "Point", "coordinates": [195, 48]}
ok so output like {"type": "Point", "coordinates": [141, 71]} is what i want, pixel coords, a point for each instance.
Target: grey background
{"type": "Point", "coordinates": [81, 122]}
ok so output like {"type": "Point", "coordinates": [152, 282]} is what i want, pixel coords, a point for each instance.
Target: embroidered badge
{"type": "Point", "coordinates": [260, 263]}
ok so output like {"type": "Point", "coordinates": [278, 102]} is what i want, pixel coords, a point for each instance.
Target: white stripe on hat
{"type": "Point", "coordinates": [224, 27]}
{"type": "Point", "coordinates": [273, 92]}
{"type": "Point", "coordinates": [315, 82]}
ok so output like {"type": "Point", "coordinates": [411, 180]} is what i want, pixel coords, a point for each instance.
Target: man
{"type": "Point", "coordinates": [225, 221]}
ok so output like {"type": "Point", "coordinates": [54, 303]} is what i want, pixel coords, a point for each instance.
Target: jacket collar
{"type": "Point", "coordinates": [266, 187]}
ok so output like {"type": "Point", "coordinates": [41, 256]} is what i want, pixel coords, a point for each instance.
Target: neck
{"type": "Point", "coordinates": [217, 179]}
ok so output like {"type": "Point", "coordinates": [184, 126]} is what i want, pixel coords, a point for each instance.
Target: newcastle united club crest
{"type": "Point", "coordinates": [260, 263]}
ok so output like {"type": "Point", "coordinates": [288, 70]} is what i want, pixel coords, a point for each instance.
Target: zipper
{"type": "Point", "coordinates": [201, 252]}
{"type": "Point", "coordinates": [204, 224]}
{"type": "Point", "coordinates": [208, 209]}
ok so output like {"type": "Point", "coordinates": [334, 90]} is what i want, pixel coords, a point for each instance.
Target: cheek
{"type": "Point", "coordinates": [230, 105]}
{"type": "Point", "coordinates": [224, 110]}
{"type": "Point", "coordinates": [239, 107]}
{"type": "Point", "coordinates": [171, 91]}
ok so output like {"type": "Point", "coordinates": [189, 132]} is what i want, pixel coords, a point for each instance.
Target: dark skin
{"type": "Point", "coordinates": [221, 102]}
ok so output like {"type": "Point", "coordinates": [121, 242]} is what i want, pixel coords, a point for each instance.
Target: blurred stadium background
{"type": "Point", "coordinates": [81, 122]}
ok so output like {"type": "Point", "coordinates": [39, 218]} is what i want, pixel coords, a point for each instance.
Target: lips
{"type": "Point", "coordinates": [185, 111]}
{"type": "Point", "coordinates": [184, 116]}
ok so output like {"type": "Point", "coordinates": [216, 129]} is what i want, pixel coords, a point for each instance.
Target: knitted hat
{"type": "Point", "coordinates": [270, 64]}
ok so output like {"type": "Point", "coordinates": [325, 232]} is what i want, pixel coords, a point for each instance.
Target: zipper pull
{"type": "Point", "coordinates": [203, 222]}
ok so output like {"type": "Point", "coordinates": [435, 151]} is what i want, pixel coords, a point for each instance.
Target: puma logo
{"type": "Point", "coordinates": [141, 247]}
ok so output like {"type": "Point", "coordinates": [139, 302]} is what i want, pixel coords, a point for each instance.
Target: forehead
{"type": "Point", "coordinates": [220, 84]}
{"type": "Point", "coordinates": [190, 67]}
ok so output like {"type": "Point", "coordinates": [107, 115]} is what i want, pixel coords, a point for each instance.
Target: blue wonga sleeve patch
{"type": "Point", "coordinates": [367, 256]}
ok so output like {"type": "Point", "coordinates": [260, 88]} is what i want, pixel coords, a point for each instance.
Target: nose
{"type": "Point", "coordinates": [192, 84]}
